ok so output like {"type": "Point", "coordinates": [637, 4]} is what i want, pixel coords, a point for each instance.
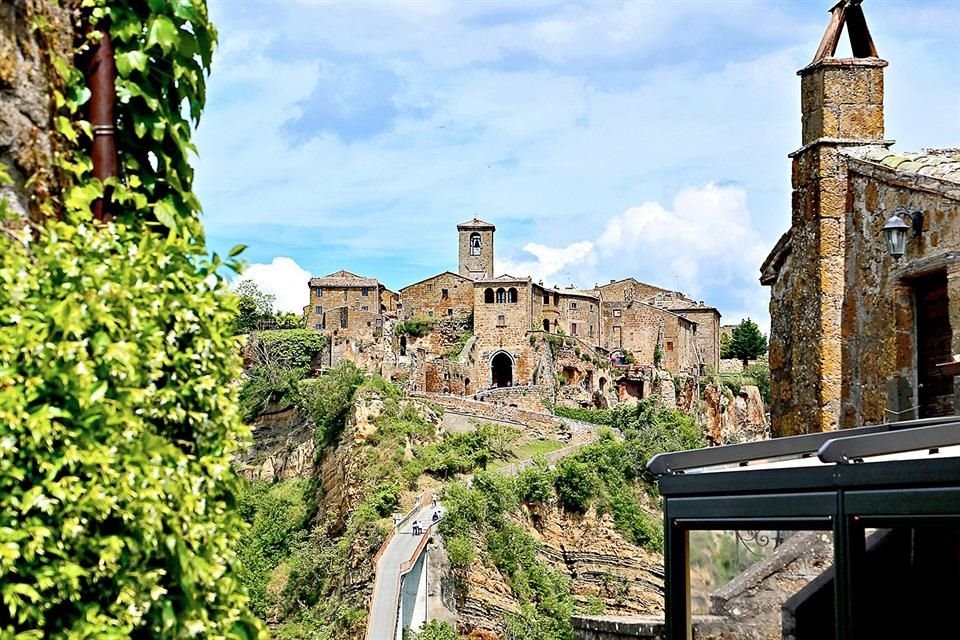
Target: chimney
{"type": "Point", "coordinates": [841, 99]}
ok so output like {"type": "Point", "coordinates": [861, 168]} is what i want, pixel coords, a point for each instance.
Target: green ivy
{"type": "Point", "coordinates": [118, 419]}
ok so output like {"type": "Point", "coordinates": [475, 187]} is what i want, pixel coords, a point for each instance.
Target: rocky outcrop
{"type": "Point", "coordinates": [731, 418]}
{"type": "Point", "coordinates": [601, 565]}
{"type": "Point", "coordinates": [283, 446]}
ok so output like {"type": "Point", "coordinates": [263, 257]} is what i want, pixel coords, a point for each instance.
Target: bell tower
{"type": "Point", "coordinates": [476, 249]}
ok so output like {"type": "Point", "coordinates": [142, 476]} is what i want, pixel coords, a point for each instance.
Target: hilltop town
{"type": "Point", "coordinates": [507, 339]}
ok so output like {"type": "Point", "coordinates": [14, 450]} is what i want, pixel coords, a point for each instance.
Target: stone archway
{"type": "Point", "coordinates": [501, 370]}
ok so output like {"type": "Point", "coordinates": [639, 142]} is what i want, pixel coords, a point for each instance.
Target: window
{"type": "Point", "coordinates": [573, 328]}
{"type": "Point", "coordinates": [318, 292]}
{"type": "Point", "coordinates": [573, 306]}
{"type": "Point", "coordinates": [449, 312]}
{"type": "Point", "coordinates": [488, 296]}
{"type": "Point", "coordinates": [501, 320]}
{"type": "Point", "coordinates": [379, 322]}
{"type": "Point", "coordinates": [364, 308]}
{"type": "Point", "coordinates": [318, 326]}
{"type": "Point", "coordinates": [364, 291]}
{"type": "Point", "coordinates": [429, 286]}
{"type": "Point", "coordinates": [429, 314]}
{"type": "Point", "coordinates": [318, 308]}
{"type": "Point", "coordinates": [590, 333]}
{"type": "Point", "coordinates": [512, 295]}
{"type": "Point", "coordinates": [556, 299]}
{"type": "Point", "coordinates": [546, 297]}
{"type": "Point", "coordinates": [669, 346]}
{"type": "Point", "coordinates": [444, 294]}
{"type": "Point", "coordinates": [501, 296]}
{"type": "Point", "coordinates": [591, 307]}
{"type": "Point", "coordinates": [617, 313]}
{"type": "Point", "coordinates": [344, 294]}
{"type": "Point", "coordinates": [343, 321]}
{"type": "Point", "coordinates": [475, 244]}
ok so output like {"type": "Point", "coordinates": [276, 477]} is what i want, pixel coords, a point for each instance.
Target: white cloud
{"type": "Point", "coordinates": [549, 261]}
{"type": "Point", "coordinates": [704, 243]}
{"type": "Point", "coordinates": [283, 278]}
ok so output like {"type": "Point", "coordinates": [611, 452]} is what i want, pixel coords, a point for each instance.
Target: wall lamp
{"type": "Point", "coordinates": [896, 227]}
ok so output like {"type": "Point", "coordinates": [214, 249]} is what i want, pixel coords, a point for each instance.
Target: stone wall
{"type": "Point", "coordinates": [503, 327]}
{"type": "Point", "coordinates": [878, 328]}
{"type": "Point", "coordinates": [476, 267]}
{"type": "Point", "coordinates": [338, 297]}
{"type": "Point", "coordinates": [580, 317]}
{"type": "Point", "coordinates": [841, 107]}
{"type": "Point", "coordinates": [26, 139]}
{"type": "Point", "coordinates": [443, 295]}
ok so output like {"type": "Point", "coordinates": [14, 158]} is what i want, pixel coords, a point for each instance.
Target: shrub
{"type": "Point", "coordinates": [290, 348]}
{"type": "Point", "coordinates": [415, 327]}
{"type": "Point", "coordinates": [575, 484]}
{"type": "Point", "coordinates": [118, 423]}
{"type": "Point", "coordinates": [328, 400]}
{"type": "Point", "coordinates": [433, 630]}
{"type": "Point", "coordinates": [593, 416]}
{"type": "Point", "coordinates": [535, 484]}
{"type": "Point", "coordinates": [760, 373]}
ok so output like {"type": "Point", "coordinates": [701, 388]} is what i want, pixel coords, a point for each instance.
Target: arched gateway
{"type": "Point", "coordinates": [501, 370]}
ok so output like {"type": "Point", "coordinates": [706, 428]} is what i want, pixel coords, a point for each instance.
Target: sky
{"type": "Point", "coordinates": [603, 139]}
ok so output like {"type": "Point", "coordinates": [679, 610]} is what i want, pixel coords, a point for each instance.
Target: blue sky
{"type": "Point", "coordinates": [604, 139]}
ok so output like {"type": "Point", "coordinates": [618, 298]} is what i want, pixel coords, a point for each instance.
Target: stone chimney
{"type": "Point", "coordinates": [841, 104]}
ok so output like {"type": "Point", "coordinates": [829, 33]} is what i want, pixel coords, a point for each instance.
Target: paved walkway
{"type": "Point", "coordinates": [395, 560]}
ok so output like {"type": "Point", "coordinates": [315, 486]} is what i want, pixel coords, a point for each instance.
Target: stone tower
{"type": "Point", "coordinates": [841, 109]}
{"type": "Point", "coordinates": [476, 249]}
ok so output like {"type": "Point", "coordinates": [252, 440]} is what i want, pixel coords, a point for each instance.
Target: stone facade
{"type": "Point", "coordinates": [844, 341]}
{"type": "Point", "coordinates": [444, 295]}
{"type": "Point", "coordinates": [26, 131]}
{"type": "Point", "coordinates": [476, 249]}
{"type": "Point", "coordinates": [511, 317]}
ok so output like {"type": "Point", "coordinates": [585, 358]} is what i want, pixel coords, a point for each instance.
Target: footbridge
{"type": "Point", "coordinates": [400, 587]}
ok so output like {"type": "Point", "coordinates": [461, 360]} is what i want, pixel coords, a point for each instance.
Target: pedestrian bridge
{"type": "Point", "coordinates": [400, 587]}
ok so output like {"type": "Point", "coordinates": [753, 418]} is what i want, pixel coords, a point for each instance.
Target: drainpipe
{"type": "Point", "coordinates": [101, 78]}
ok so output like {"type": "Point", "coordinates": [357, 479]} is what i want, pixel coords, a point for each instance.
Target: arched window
{"type": "Point", "coordinates": [512, 295]}
{"type": "Point", "coordinates": [488, 296]}
{"type": "Point", "coordinates": [475, 244]}
{"type": "Point", "coordinates": [501, 296]}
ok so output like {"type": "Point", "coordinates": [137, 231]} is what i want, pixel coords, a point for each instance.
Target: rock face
{"type": "Point", "coordinates": [283, 446]}
{"type": "Point", "coordinates": [600, 563]}
{"type": "Point", "coordinates": [731, 418]}
{"type": "Point", "coordinates": [26, 133]}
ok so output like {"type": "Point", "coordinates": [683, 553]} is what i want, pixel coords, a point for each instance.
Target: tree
{"type": "Point", "coordinates": [725, 346]}
{"type": "Point", "coordinates": [746, 342]}
{"type": "Point", "coordinates": [254, 307]}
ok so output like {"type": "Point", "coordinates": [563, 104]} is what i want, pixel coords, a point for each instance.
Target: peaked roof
{"type": "Point", "coordinates": [850, 13]}
{"type": "Point", "coordinates": [434, 277]}
{"type": "Point", "coordinates": [476, 223]}
{"type": "Point", "coordinates": [343, 278]}
{"type": "Point", "coordinates": [506, 277]}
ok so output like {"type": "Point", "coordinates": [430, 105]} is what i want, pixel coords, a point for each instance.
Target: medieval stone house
{"type": "Point", "coordinates": [859, 336]}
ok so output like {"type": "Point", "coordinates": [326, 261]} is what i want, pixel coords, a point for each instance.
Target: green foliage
{"type": "Point", "coordinates": [499, 438]}
{"type": "Point", "coordinates": [575, 484]}
{"type": "Point", "coordinates": [454, 352]}
{"type": "Point", "coordinates": [289, 320]}
{"type": "Point", "coordinates": [535, 484]}
{"type": "Point", "coordinates": [328, 399]}
{"type": "Point", "coordinates": [118, 423]}
{"type": "Point", "coordinates": [280, 359]}
{"type": "Point", "coordinates": [629, 358]}
{"type": "Point", "coordinates": [760, 374]}
{"type": "Point", "coordinates": [593, 416]}
{"type": "Point", "coordinates": [277, 515]}
{"type": "Point", "coordinates": [254, 307]}
{"type": "Point", "coordinates": [290, 348]}
{"type": "Point", "coordinates": [649, 429]}
{"type": "Point", "coordinates": [433, 630]}
{"type": "Point", "coordinates": [415, 327]}
{"type": "Point", "coordinates": [725, 351]}
{"type": "Point", "coordinates": [746, 342]}
{"type": "Point", "coordinates": [657, 355]}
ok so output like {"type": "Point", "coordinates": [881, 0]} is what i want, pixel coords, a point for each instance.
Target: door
{"type": "Point", "coordinates": [934, 390]}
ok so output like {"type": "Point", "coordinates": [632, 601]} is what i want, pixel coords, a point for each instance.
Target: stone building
{"type": "Point", "coordinates": [637, 328]}
{"type": "Point", "coordinates": [476, 249]}
{"type": "Point", "coordinates": [858, 336]}
{"type": "Point", "coordinates": [446, 294]}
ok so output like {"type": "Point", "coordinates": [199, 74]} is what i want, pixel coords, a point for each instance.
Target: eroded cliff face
{"type": "Point", "coordinates": [730, 418]}
{"type": "Point", "coordinates": [604, 571]}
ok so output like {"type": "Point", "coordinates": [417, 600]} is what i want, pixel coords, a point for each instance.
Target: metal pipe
{"type": "Point", "coordinates": [101, 78]}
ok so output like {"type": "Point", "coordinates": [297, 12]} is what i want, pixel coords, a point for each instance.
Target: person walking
{"type": "Point", "coordinates": [416, 527]}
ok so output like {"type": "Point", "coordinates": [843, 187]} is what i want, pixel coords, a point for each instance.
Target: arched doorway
{"type": "Point", "coordinates": [501, 370]}
{"type": "Point", "coordinates": [546, 325]}
{"type": "Point", "coordinates": [403, 345]}
{"type": "Point", "coordinates": [466, 387]}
